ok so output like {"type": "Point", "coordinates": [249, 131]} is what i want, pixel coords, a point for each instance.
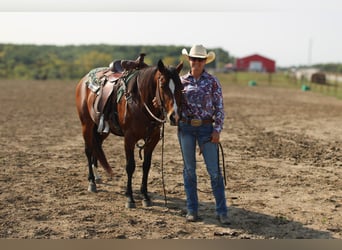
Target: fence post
{"type": "Point", "coordinates": [235, 77]}
{"type": "Point", "coordinates": [269, 78]}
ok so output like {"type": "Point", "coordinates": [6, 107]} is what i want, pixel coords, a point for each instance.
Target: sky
{"type": "Point", "coordinates": [291, 32]}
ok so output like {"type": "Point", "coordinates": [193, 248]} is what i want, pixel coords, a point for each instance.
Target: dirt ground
{"type": "Point", "coordinates": [283, 161]}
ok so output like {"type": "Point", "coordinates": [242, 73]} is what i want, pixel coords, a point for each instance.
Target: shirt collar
{"type": "Point", "coordinates": [204, 73]}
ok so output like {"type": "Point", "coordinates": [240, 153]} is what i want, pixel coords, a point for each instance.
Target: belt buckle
{"type": "Point", "coordinates": [196, 122]}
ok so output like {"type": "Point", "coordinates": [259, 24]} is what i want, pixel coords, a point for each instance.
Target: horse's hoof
{"type": "Point", "coordinates": [98, 181]}
{"type": "Point", "coordinates": [92, 187]}
{"type": "Point", "coordinates": [110, 177]}
{"type": "Point", "coordinates": [130, 204]}
{"type": "Point", "coordinates": [147, 203]}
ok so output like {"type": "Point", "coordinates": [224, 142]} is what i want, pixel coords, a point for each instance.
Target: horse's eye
{"type": "Point", "coordinates": [164, 85]}
{"type": "Point", "coordinates": [163, 82]}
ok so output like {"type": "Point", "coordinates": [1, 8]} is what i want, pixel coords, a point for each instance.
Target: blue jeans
{"type": "Point", "coordinates": [188, 136]}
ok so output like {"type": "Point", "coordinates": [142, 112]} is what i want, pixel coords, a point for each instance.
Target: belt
{"type": "Point", "coordinates": [197, 122]}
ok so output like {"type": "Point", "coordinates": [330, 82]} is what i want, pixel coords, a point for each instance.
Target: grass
{"type": "Point", "coordinates": [279, 79]}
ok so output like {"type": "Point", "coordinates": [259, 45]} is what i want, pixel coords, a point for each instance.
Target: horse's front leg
{"type": "Point", "coordinates": [143, 189]}
{"type": "Point", "coordinates": [148, 151]}
{"type": "Point", "coordinates": [130, 168]}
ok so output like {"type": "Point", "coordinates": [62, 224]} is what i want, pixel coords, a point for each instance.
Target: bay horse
{"type": "Point", "coordinates": [155, 97]}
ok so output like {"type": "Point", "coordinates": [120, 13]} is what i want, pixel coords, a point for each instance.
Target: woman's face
{"type": "Point", "coordinates": [197, 65]}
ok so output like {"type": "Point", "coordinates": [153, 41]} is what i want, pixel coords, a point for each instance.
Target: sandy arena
{"type": "Point", "coordinates": [283, 161]}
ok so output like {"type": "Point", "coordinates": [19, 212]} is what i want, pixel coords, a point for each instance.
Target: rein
{"type": "Point", "coordinates": [153, 116]}
{"type": "Point", "coordinates": [162, 121]}
{"type": "Point", "coordinates": [160, 101]}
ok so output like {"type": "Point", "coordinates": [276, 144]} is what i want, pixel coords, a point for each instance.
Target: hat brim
{"type": "Point", "coordinates": [210, 56]}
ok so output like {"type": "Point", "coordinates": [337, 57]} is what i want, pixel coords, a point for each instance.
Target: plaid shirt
{"type": "Point", "coordinates": [203, 99]}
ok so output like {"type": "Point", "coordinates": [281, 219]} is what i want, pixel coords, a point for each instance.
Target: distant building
{"type": "Point", "coordinates": [256, 63]}
{"type": "Point", "coordinates": [229, 67]}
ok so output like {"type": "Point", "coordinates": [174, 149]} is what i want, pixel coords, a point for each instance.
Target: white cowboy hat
{"type": "Point", "coordinates": [200, 52]}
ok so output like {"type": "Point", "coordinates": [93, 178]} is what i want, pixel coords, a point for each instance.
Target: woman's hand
{"type": "Point", "coordinates": [155, 103]}
{"type": "Point", "coordinates": [215, 137]}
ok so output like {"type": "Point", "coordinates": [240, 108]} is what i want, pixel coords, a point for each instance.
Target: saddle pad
{"type": "Point", "coordinates": [94, 79]}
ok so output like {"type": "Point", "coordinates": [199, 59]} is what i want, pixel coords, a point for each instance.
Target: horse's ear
{"type": "Point", "coordinates": [179, 67]}
{"type": "Point", "coordinates": [161, 66]}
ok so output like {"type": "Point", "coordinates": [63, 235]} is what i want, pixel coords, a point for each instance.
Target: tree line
{"type": "Point", "coordinates": [42, 62]}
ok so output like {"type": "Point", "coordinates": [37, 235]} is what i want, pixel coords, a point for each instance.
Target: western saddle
{"type": "Point", "coordinates": [103, 81]}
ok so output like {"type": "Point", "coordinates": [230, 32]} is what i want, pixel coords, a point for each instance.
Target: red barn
{"type": "Point", "coordinates": [255, 63]}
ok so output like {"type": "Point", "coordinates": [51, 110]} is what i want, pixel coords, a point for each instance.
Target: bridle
{"type": "Point", "coordinates": [161, 104]}
{"type": "Point", "coordinates": [160, 101]}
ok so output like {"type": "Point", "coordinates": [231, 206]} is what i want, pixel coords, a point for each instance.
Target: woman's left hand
{"type": "Point", "coordinates": [215, 137]}
{"type": "Point", "coordinates": [155, 102]}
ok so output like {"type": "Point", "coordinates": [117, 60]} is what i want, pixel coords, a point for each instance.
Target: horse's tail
{"type": "Point", "coordinates": [98, 150]}
{"type": "Point", "coordinates": [93, 140]}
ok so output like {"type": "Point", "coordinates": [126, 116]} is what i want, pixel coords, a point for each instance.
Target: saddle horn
{"type": "Point", "coordinates": [137, 64]}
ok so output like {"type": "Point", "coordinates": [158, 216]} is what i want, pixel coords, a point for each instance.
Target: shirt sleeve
{"type": "Point", "coordinates": [218, 106]}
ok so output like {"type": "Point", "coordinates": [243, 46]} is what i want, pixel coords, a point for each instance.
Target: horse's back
{"type": "Point", "coordinates": [81, 99]}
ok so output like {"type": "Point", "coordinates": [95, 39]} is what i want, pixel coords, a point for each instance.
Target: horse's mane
{"type": "Point", "coordinates": [146, 74]}
{"type": "Point", "coordinates": [144, 78]}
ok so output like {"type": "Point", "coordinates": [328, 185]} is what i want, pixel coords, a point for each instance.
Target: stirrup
{"type": "Point", "coordinates": [100, 127]}
{"type": "Point", "coordinates": [106, 128]}
{"type": "Point", "coordinates": [128, 97]}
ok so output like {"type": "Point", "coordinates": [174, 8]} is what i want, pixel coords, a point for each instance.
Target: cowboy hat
{"type": "Point", "coordinates": [199, 51]}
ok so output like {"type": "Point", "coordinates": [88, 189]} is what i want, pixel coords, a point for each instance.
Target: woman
{"type": "Point", "coordinates": [201, 122]}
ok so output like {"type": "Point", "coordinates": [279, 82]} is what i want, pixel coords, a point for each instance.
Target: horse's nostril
{"type": "Point", "coordinates": [173, 119]}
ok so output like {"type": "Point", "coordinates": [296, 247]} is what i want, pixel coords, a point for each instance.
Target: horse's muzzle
{"type": "Point", "coordinates": [173, 118]}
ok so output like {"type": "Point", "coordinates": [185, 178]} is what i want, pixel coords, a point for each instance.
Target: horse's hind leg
{"type": "Point", "coordinates": [91, 177]}
{"type": "Point", "coordinates": [93, 150]}
{"type": "Point", "coordinates": [98, 152]}
{"type": "Point", "coordinates": [98, 179]}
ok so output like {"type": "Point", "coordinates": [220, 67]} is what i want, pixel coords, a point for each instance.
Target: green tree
{"type": "Point", "coordinates": [72, 62]}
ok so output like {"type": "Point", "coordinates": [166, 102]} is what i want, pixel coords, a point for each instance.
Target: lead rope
{"type": "Point", "coordinates": [161, 136]}
{"type": "Point", "coordinates": [218, 163]}
{"type": "Point", "coordinates": [223, 163]}
{"type": "Point", "coordinates": [162, 163]}
{"type": "Point", "coordinates": [218, 159]}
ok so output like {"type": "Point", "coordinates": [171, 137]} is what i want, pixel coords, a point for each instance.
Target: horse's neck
{"type": "Point", "coordinates": [147, 85]}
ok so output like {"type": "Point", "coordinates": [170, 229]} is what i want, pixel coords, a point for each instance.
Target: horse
{"type": "Point", "coordinates": [155, 97]}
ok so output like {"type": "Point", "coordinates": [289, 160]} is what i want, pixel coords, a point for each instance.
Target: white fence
{"type": "Point", "coordinates": [305, 74]}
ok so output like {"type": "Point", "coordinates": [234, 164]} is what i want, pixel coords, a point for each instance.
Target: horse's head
{"type": "Point", "coordinates": [170, 89]}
